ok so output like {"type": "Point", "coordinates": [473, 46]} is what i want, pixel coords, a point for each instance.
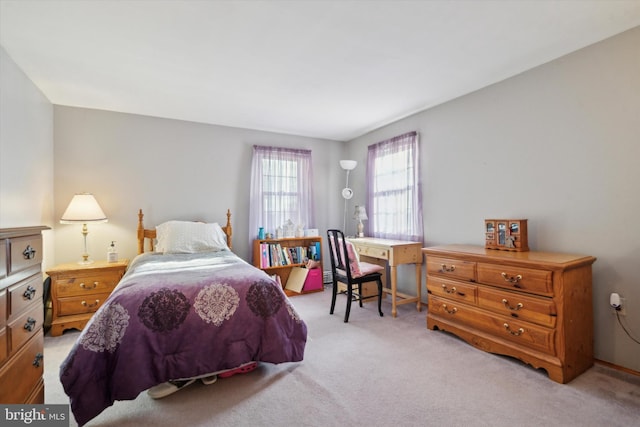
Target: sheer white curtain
{"type": "Point", "coordinates": [281, 189]}
{"type": "Point", "coordinates": [394, 196]}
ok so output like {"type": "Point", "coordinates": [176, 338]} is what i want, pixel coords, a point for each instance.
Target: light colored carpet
{"type": "Point", "coordinates": [377, 371]}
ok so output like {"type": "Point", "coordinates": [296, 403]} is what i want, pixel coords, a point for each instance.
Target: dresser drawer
{"type": "Point", "coordinates": [25, 252]}
{"type": "Point", "coordinates": [541, 311]}
{"type": "Point", "coordinates": [516, 331]}
{"type": "Point", "coordinates": [80, 285]}
{"type": "Point", "coordinates": [21, 376]}
{"type": "Point", "coordinates": [454, 268]}
{"type": "Point", "coordinates": [456, 290]}
{"type": "Point", "coordinates": [3, 257]}
{"type": "Point", "coordinates": [3, 307]}
{"type": "Point", "coordinates": [80, 305]}
{"type": "Point", "coordinates": [4, 349]}
{"type": "Point", "coordinates": [25, 326]}
{"type": "Point", "coordinates": [24, 293]}
{"type": "Point", "coordinates": [520, 278]}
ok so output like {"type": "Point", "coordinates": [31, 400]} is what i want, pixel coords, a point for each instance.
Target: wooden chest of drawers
{"type": "Point", "coordinates": [534, 306]}
{"type": "Point", "coordinates": [78, 290]}
{"type": "Point", "coordinates": [21, 316]}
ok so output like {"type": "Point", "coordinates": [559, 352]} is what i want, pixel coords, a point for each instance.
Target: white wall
{"type": "Point", "coordinates": [559, 145]}
{"type": "Point", "coordinates": [172, 170]}
{"type": "Point", "coordinates": [26, 152]}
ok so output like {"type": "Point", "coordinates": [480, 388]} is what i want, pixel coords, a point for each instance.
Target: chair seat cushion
{"type": "Point", "coordinates": [368, 268]}
{"type": "Point", "coordinates": [364, 268]}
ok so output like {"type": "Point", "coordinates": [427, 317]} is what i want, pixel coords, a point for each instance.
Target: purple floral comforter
{"type": "Point", "coordinates": [179, 316]}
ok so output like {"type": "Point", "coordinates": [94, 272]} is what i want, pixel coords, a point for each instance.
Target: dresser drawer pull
{"type": "Point", "coordinates": [29, 292]}
{"type": "Point", "coordinates": [37, 359]}
{"type": "Point", "coordinates": [452, 290]}
{"type": "Point", "coordinates": [30, 324]}
{"type": "Point", "coordinates": [516, 333]}
{"type": "Point", "coordinates": [512, 279]}
{"type": "Point", "coordinates": [85, 286]}
{"type": "Point", "coordinates": [445, 268]}
{"type": "Point", "coordinates": [452, 311]}
{"type": "Point", "coordinates": [29, 253]}
{"type": "Point", "coordinates": [516, 308]}
{"type": "Point", "coordinates": [84, 303]}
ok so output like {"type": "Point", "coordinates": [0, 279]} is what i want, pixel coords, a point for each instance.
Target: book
{"type": "Point", "coordinates": [296, 279]}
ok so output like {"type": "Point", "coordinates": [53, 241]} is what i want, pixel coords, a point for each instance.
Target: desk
{"type": "Point", "coordinates": [393, 253]}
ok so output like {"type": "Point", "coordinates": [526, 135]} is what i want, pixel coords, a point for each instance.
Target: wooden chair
{"type": "Point", "coordinates": [347, 269]}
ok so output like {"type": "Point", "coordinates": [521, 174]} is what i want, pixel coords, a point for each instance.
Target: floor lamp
{"type": "Point", "coordinates": [347, 193]}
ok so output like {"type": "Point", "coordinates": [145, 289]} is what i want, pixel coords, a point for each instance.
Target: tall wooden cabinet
{"type": "Point", "coordinates": [268, 253]}
{"type": "Point", "coordinates": [534, 306]}
{"type": "Point", "coordinates": [21, 316]}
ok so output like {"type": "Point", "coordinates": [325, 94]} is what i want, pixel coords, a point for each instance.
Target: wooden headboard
{"type": "Point", "coordinates": [150, 233]}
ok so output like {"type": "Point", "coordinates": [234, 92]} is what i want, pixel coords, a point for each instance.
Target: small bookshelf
{"type": "Point", "coordinates": [280, 256]}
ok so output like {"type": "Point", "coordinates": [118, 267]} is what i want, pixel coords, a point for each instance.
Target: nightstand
{"type": "Point", "coordinates": [77, 291]}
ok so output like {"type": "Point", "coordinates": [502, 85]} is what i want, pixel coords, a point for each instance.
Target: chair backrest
{"type": "Point", "coordinates": [338, 254]}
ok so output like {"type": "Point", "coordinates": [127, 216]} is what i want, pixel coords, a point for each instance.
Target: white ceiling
{"type": "Point", "coordinates": [327, 69]}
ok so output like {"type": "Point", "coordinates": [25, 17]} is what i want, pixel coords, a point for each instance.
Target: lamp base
{"type": "Point", "coordinates": [360, 229]}
{"type": "Point", "coordinates": [85, 262]}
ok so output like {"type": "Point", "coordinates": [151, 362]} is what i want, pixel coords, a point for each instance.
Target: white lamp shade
{"type": "Point", "coordinates": [83, 208]}
{"type": "Point", "coordinates": [360, 213]}
{"type": "Point", "coordinates": [348, 164]}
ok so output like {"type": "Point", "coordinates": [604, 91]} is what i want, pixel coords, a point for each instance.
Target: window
{"type": "Point", "coordinates": [394, 196]}
{"type": "Point", "coordinates": [281, 189]}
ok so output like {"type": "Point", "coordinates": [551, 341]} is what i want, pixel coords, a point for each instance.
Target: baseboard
{"type": "Point", "coordinates": [618, 367]}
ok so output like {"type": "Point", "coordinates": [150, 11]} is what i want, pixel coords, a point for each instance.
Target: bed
{"type": "Point", "coordinates": [186, 308]}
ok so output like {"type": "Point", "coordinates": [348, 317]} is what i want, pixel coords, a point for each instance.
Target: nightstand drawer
{"type": "Point", "coordinates": [24, 293]}
{"type": "Point", "coordinates": [80, 305]}
{"type": "Point", "coordinates": [25, 252]}
{"type": "Point", "coordinates": [25, 326]}
{"type": "Point", "coordinates": [87, 284]}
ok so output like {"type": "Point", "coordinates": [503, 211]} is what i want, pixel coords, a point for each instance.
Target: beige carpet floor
{"type": "Point", "coordinates": [377, 371]}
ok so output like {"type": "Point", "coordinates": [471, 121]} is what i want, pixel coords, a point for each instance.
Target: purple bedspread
{"type": "Point", "coordinates": [179, 316]}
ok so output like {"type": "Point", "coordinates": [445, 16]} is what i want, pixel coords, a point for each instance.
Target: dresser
{"type": "Point", "coordinates": [78, 290]}
{"type": "Point", "coordinates": [534, 306]}
{"type": "Point", "coordinates": [21, 316]}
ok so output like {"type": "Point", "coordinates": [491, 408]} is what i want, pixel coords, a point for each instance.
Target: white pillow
{"type": "Point", "coordinates": [189, 237]}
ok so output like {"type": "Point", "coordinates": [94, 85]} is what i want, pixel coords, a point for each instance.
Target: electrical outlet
{"type": "Point", "coordinates": [622, 311]}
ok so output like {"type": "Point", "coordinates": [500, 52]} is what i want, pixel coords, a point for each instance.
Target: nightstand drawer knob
{"type": "Point", "coordinates": [29, 292]}
{"type": "Point", "coordinates": [30, 324]}
{"type": "Point", "coordinates": [84, 303]}
{"type": "Point", "coordinates": [88, 287]}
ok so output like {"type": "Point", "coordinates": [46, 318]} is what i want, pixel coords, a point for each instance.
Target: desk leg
{"type": "Point", "coordinates": [394, 290]}
{"type": "Point", "coordinates": [419, 286]}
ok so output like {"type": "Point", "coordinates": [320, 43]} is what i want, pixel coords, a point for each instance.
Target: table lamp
{"type": "Point", "coordinates": [360, 215]}
{"type": "Point", "coordinates": [82, 209]}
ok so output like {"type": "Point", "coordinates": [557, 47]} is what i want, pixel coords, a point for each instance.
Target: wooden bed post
{"type": "Point", "coordinates": [140, 232]}
{"type": "Point", "coordinates": [229, 230]}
